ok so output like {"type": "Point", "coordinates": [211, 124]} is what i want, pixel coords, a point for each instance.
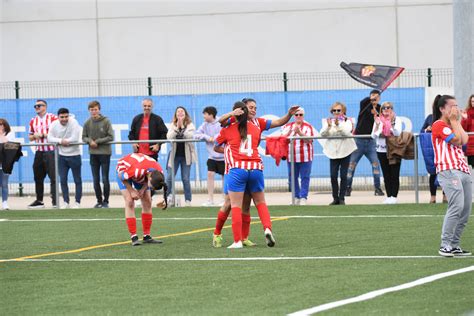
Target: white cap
{"type": "Point", "coordinates": [300, 110]}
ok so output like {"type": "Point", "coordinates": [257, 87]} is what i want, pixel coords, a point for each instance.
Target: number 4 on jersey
{"type": "Point", "coordinates": [246, 146]}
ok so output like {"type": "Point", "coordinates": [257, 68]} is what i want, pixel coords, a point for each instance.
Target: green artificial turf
{"type": "Point", "coordinates": [234, 287]}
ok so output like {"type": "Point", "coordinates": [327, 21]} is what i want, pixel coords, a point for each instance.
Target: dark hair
{"type": "Point", "coordinates": [438, 103]}
{"type": "Point", "coordinates": [158, 182]}
{"type": "Point", "coordinates": [93, 104]}
{"type": "Point", "coordinates": [41, 100]}
{"type": "Point", "coordinates": [469, 102]}
{"type": "Point", "coordinates": [248, 100]}
{"type": "Point", "coordinates": [375, 91]}
{"type": "Point", "coordinates": [63, 111]}
{"type": "Point", "coordinates": [6, 126]}
{"type": "Point", "coordinates": [435, 109]}
{"type": "Point", "coordinates": [242, 119]}
{"type": "Point", "coordinates": [210, 110]}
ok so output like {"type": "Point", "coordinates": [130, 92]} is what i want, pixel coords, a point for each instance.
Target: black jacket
{"type": "Point", "coordinates": [9, 153]}
{"type": "Point", "coordinates": [157, 127]}
{"type": "Point", "coordinates": [365, 120]}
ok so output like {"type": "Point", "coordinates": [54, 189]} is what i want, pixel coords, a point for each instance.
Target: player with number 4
{"type": "Point", "coordinates": [136, 175]}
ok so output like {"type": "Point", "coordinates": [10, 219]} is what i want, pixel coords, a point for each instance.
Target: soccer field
{"type": "Point", "coordinates": [81, 262]}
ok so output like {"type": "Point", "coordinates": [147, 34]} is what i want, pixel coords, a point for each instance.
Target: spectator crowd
{"type": "Point", "coordinates": [384, 149]}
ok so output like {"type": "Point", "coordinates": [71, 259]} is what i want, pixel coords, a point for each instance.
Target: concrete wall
{"type": "Point", "coordinates": [89, 39]}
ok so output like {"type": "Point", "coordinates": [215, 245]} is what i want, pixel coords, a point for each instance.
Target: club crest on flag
{"type": "Point", "coordinates": [367, 71]}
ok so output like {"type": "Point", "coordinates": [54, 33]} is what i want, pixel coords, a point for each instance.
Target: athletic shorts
{"type": "Point", "coordinates": [134, 184]}
{"type": "Point", "coordinates": [216, 166]}
{"type": "Point", "coordinates": [241, 180]}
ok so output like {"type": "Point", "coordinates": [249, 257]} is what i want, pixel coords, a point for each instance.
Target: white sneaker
{"type": "Point", "coordinates": [269, 239]}
{"type": "Point", "coordinates": [236, 245]}
{"type": "Point", "coordinates": [64, 206]}
{"type": "Point", "coordinates": [208, 203]}
{"type": "Point", "coordinates": [393, 200]}
{"type": "Point", "coordinates": [76, 205]}
{"type": "Point", "coordinates": [5, 206]}
{"type": "Point", "coordinates": [297, 201]}
{"type": "Point", "coordinates": [187, 203]}
{"type": "Point", "coordinates": [303, 201]}
{"type": "Point", "coordinates": [387, 200]}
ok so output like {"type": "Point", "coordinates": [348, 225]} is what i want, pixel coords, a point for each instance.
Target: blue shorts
{"type": "Point", "coordinates": [134, 184]}
{"type": "Point", "coordinates": [241, 180]}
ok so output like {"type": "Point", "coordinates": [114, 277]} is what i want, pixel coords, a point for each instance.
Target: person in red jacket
{"type": "Point", "coordinates": [468, 125]}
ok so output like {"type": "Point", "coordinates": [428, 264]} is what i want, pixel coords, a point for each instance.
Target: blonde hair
{"type": "Point", "coordinates": [386, 103]}
{"type": "Point", "coordinates": [343, 106]}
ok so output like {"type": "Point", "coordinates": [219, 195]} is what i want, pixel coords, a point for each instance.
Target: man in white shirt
{"type": "Point", "coordinates": [64, 131]}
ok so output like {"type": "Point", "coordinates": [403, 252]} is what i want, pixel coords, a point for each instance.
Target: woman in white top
{"type": "Point", "coordinates": [385, 125]}
{"type": "Point", "coordinates": [5, 136]}
{"type": "Point", "coordinates": [338, 150]}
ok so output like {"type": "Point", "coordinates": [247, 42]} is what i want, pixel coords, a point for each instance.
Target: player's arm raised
{"type": "Point", "coordinates": [285, 118]}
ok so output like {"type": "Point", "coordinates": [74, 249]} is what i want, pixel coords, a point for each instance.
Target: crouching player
{"type": "Point", "coordinates": [136, 175]}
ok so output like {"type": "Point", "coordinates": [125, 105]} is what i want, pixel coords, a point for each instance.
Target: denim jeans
{"type": "Point", "coordinates": [64, 164]}
{"type": "Point", "coordinates": [180, 161]}
{"type": "Point", "coordinates": [97, 162]}
{"type": "Point", "coordinates": [365, 147]}
{"type": "Point", "coordinates": [339, 166]}
{"type": "Point", "coordinates": [303, 171]}
{"type": "Point", "coordinates": [4, 184]}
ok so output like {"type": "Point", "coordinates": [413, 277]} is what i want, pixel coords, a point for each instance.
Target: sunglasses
{"type": "Point", "coordinates": [299, 114]}
{"type": "Point", "coordinates": [38, 105]}
{"type": "Point", "coordinates": [386, 108]}
{"type": "Point", "coordinates": [336, 111]}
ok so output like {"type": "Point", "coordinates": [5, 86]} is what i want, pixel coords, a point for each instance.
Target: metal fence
{"type": "Point", "coordinates": [415, 182]}
{"type": "Point", "coordinates": [158, 86]}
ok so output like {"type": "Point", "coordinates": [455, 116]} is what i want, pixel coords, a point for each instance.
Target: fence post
{"type": "Point", "coordinates": [429, 77]}
{"type": "Point", "coordinates": [173, 186]}
{"type": "Point", "coordinates": [417, 193]}
{"type": "Point", "coordinates": [150, 86]}
{"type": "Point", "coordinates": [56, 173]}
{"type": "Point", "coordinates": [285, 82]}
{"type": "Point", "coordinates": [292, 172]}
{"type": "Point", "coordinates": [17, 98]}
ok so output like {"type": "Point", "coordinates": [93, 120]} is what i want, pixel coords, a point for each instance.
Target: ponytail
{"type": "Point", "coordinates": [158, 182]}
{"type": "Point", "coordinates": [242, 119]}
{"type": "Point", "coordinates": [436, 111]}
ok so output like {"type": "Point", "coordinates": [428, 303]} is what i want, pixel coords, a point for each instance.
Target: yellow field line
{"type": "Point", "coordinates": [123, 243]}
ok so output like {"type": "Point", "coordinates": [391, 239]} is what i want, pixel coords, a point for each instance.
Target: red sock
{"type": "Point", "coordinates": [132, 225]}
{"type": "Point", "coordinates": [237, 223]}
{"type": "Point", "coordinates": [147, 219]}
{"type": "Point", "coordinates": [264, 215]}
{"type": "Point", "coordinates": [221, 218]}
{"type": "Point", "coordinates": [245, 226]}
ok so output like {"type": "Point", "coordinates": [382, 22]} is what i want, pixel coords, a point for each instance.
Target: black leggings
{"type": "Point", "coordinates": [391, 175]}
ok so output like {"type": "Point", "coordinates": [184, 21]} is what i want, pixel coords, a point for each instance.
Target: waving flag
{"type": "Point", "coordinates": [375, 76]}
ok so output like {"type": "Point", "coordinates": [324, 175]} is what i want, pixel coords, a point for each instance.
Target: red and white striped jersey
{"type": "Point", "coordinates": [446, 155]}
{"type": "Point", "coordinates": [302, 150]}
{"type": "Point", "coordinates": [237, 153]}
{"type": "Point", "coordinates": [41, 125]}
{"type": "Point", "coordinates": [136, 166]}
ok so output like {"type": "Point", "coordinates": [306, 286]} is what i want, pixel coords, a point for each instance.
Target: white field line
{"type": "Point", "coordinates": [374, 294]}
{"type": "Point", "coordinates": [236, 259]}
{"type": "Point", "coordinates": [213, 218]}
